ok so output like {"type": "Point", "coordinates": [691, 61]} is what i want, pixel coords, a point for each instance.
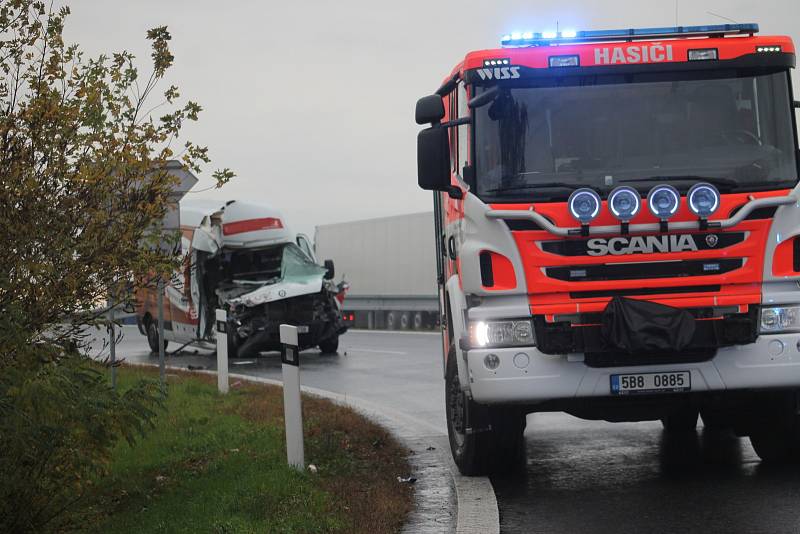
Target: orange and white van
{"type": "Point", "coordinates": [242, 257]}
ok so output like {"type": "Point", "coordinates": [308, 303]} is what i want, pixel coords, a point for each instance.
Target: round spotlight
{"type": "Point", "coordinates": [663, 201]}
{"type": "Point", "coordinates": [624, 203]}
{"type": "Point", "coordinates": [703, 199]}
{"type": "Point", "coordinates": [584, 205]}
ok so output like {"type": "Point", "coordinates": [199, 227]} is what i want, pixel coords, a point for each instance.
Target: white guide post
{"type": "Point", "coordinates": [112, 342]}
{"type": "Point", "coordinates": [162, 372]}
{"type": "Point", "coordinates": [222, 351]}
{"type": "Point", "coordinates": [293, 414]}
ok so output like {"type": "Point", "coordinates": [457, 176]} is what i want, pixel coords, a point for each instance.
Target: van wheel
{"type": "Point", "coordinates": [233, 344]}
{"type": "Point", "coordinates": [152, 336]}
{"type": "Point", "coordinates": [330, 345]}
{"type": "Point", "coordinates": [483, 440]}
{"type": "Point", "coordinates": [682, 421]}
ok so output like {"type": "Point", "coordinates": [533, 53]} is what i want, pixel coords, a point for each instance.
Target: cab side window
{"type": "Point", "coordinates": [452, 113]}
{"type": "Point", "coordinates": [463, 131]}
{"type": "Point", "coordinates": [304, 244]}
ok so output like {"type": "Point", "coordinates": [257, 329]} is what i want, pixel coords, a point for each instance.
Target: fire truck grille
{"type": "Point", "coordinates": [642, 270]}
{"type": "Point", "coordinates": [710, 333]}
{"type": "Point", "coordinates": [638, 291]}
{"type": "Point", "coordinates": [620, 359]}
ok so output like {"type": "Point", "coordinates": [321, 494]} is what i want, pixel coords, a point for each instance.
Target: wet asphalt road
{"type": "Point", "coordinates": [581, 476]}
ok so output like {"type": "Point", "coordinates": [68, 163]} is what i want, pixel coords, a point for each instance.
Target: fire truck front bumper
{"type": "Point", "coordinates": [526, 375]}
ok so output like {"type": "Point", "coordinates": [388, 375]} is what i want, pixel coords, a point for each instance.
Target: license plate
{"type": "Point", "coordinates": [673, 381]}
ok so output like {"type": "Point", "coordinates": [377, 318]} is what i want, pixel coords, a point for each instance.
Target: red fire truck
{"type": "Point", "coordinates": [618, 235]}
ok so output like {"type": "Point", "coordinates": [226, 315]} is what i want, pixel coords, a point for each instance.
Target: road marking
{"type": "Point", "coordinates": [399, 332]}
{"type": "Point", "coordinates": [383, 351]}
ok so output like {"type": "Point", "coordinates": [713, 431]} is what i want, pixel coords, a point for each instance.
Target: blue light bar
{"type": "Point", "coordinates": [568, 36]}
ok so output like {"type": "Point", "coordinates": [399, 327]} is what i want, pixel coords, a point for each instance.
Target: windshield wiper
{"type": "Point", "coordinates": [542, 185]}
{"type": "Point", "coordinates": [720, 182]}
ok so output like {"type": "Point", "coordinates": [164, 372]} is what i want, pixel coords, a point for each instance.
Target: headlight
{"type": "Point", "coordinates": [663, 201]}
{"type": "Point", "coordinates": [624, 203]}
{"type": "Point", "coordinates": [584, 205]}
{"type": "Point", "coordinates": [703, 200]}
{"type": "Point", "coordinates": [780, 319]}
{"type": "Point", "coordinates": [501, 333]}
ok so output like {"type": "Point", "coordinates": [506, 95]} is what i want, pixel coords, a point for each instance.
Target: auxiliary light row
{"type": "Point", "coordinates": [624, 203]}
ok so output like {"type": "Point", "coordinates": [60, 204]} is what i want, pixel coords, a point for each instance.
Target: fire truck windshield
{"type": "Point", "coordinates": [541, 137]}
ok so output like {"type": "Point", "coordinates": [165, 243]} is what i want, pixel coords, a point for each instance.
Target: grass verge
{"type": "Point", "coordinates": [217, 463]}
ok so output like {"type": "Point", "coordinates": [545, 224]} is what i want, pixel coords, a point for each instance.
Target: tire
{"type": "Point", "coordinates": [776, 439]}
{"type": "Point", "coordinates": [152, 336]}
{"type": "Point", "coordinates": [329, 346]}
{"type": "Point", "coordinates": [713, 422]}
{"type": "Point", "coordinates": [390, 320]}
{"type": "Point", "coordinates": [483, 440]}
{"type": "Point", "coordinates": [683, 421]}
{"type": "Point", "coordinates": [405, 321]}
{"type": "Point", "coordinates": [418, 321]}
{"type": "Point", "coordinates": [233, 345]}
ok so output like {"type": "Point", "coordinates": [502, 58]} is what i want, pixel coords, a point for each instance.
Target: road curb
{"type": "Point", "coordinates": [476, 503]}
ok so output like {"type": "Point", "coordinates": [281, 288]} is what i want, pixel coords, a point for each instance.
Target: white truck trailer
{"type": "Point", "coordinates": [390, 265]}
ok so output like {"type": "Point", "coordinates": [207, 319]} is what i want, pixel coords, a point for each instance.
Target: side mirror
{"type": "Point", "coordinates": [433, 159]}
{"type": "Point", "coordinates": [430, 109]}
{"type": "Point", "coordinates": [330, 270]}
{"type": "Point", "coordinates": [796, 104]}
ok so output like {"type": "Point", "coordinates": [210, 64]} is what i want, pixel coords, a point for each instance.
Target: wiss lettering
{"type": "Point", "coordinates": [499, 73]}
{"type": "Point", "coordinates": [618, 246]}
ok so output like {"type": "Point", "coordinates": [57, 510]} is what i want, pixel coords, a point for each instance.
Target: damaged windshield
{"type": "Point", "coordinates": [543, 138]}
{"type": "Point", "coordinates": [267, 265]}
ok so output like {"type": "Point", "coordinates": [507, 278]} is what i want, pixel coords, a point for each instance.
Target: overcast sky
{"type": "Point", "coordinates": [312, 102]}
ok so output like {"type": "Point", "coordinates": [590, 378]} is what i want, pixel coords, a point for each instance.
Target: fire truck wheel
{"type": "Point", "coordinates": [152, 336]}
{"type": "Point", "coordinates": [776, 445]}
{"type": "Point", "coordinates": [483, 440]}
{"type": "Point", "coordinates": [682, 421]}
{"type": "Point", "coordinates": [329, 346]}
{"type": "Point", "coordinates": [776, 436]}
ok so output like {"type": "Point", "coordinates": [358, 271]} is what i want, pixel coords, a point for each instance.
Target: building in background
{"type": "Point", "coordinates": [390, 265]}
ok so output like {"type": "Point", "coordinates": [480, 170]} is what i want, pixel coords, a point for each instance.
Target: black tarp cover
{"type": "Point", "coordinates": [638, 325]}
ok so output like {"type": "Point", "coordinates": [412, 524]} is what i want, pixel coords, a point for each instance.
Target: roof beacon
{"type": "Point", "coordinates": [571, 36]}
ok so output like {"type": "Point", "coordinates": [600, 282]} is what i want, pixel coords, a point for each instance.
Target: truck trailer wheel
{"type": "Point", "coordinates": [329, 346]}
{"type": "Point", "coordinates": [483, 440]}
{"type": "Point", "coordinates": [152, 336]}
